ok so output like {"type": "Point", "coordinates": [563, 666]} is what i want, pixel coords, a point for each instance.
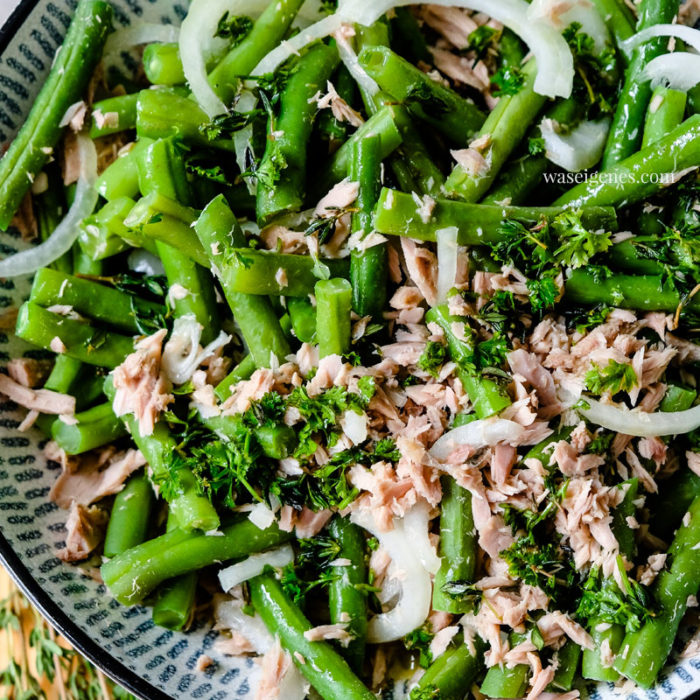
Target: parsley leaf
{"type": "Point", "coordinates": [433, 358]}
{"type": "Point", "coordinates": [234, 28]}
{"type": "Point", "coordinates": [419, 641]}
{"type": "Point", "coordinates": [508, 81]}
{"type": "Point", "coordinates": [611, 379]}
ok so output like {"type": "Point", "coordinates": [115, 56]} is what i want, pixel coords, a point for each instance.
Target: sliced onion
{"type": "Point", "coordinates": [61, 240]}
{"type": "Point", "coordinates": [414, 602]}
{"type": "Point", "coordinates": [447, 252]}
{"type": "Point", "coordinates": [579, 149]}
{"type": "Point", "coordinates": [354, 425]}
{"type": "Point", "coordinates": [638, 423]}
{"type": "Point", "coordinates": [319, 30]}
{"type": "Point", "coordinates": [229, 615]}
{"type": "Point", "coordinates": [141, 33]}
{"type": "Point", "coordinates": [145, 262]}
{"type": "Point", "coordinates": [198, 44]}
{"type": "Point", "coordinates": [254, 565]}
{"type": "Point", "coordinates": [680, 71]}
{"type": "Point", "coordinates": [478, 434]}
{"type": "Point", "coordinates": [416, 524]}
{"type": "Point", "coordinates": [581, 11]}
{"type": "Point", "coordinates": [261, 516]}
{"type": "Point", "coordinates": [349, 58]}
{"type": "Point", "coordinates": [680, 31]}
{"type": "Point", "coordinates": [181, 350]}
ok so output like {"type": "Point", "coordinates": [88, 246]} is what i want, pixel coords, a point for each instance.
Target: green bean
{"type": "Point", "coordinates": [93, 346]}
{"type": "Point", "coordinates": [369, 267]}
{"type": "Point", "coordinates": [220, 234]}
{"type": "Point", "coordinates": [430, 101]}
{"type": "Point", "coordinates": [113, 115]}
{"type": "Point", "coordinates": [162, 64]}
{"type": "Point", "coordinates": [103, 234]}
{"type": "Point", "coordinates": [665, 113]}
{"type": "Point", "coordinates": [282, 171]}
{"type": "Point", "coordinates": [330, 128]}
{"type": "Point", "coordinates": [65, 85]}
{"type": "Point", "coordinates": [267, 273]}
{"type": "Point", "coordinates": [333, 308]}
{"type": "Point", "coordinates": [161, 169]}
{"type": "Point", "coordinates": [130, 517]}
{"type": "Point", "coordinates": [49, 210]}
{"type": "Point", "coordinates": [625, 134]}
{"type": "Point", "coordinates": [643, 293]}
{"type": "Point", "coordinates": [458, 546]}
{"type": "Point", "coordinates": [96, 427]}
{"type": "Point", "coordinates": [504, 128]}
{"type": "Point", "coordinates": [175, 599]}
{"type": "Point", "coordinates": [323, 667]}
{"type": "Point", "coordinates": [677, 398]}
{"type": "Point", "coordinates": [644, 653]}
{"type": "Point", "coordinates": [192, 510]}
{"type": "Point", "coordinates": [618, 18]}
{"type": "Point", "coordinates": [267, 32]}
{"type": "Point", "coordinates": [453, 673]}
{"type": "Point", "coordinates": [132, 575]}
{"type": "Point", "coordinates": [165, 220]}
{"type": "Point", "coordinates": [165, 112]}
{"type": "Point", "coordinates": [672, 502]}
{"type": "Point", "coordinates": [92, 299]}
{"type": "Point", "coordinates": [345, 597]}
{"type": "Point", "coordinates": [568, 658]}
{"type": "Point", "coordinates": [121, 178]}
{"type": "Point", "coordinates": [242, 371]}
{"type": "Point", "coordinates": [408, 38]}
{"type": "Point", "coordinates": [487, 396]}
{"type": "Point", "coordinates": [302, 314]}
{"type": "Point", "coordinates": [399, 214]}
{"type": "Point", "coordinates": [84, 265]}
{"type": "Point", "coordinates": [382, 124]}
{"type": "Point", "coordinates": [517, 182]}
{"type": "Point", "coordinates": [276, 441]}
{"type": "Point", "coordinates": [504, 682]}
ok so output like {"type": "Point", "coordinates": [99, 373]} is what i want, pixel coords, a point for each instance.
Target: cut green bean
{"type": "Point", "coordinates": [347, 600]}
{"type": "Point", "coordinates": [665, 113]}
{"type": "Point", "coordinates": [78, 340]}
{"type": "Point", "coordinates": [130, 517]}
{"type": "Point", "coordinates": [458, 546]}
{"type": "Point", "coordinates": [302, 314]}
{"type": "Point", "coordinates": [103, 234]}
{"type": "Point", "coordinates": [121, 178]}
{"type": "Point", "coordinates": [162, 64]}
{"type": "Point", "coordinates": [65, 85]}
{"type": "Point", "coordinates": [243, 370]}
{"type": "Point", "coordinates": [132, 575]}
{"type": "Point", "coordinates": [109, 305]}
{"type": "Point", "coordinates": [282, 171]}
{"type": "Point", "coordinates": [323, 667]}
{"type": "Point", "coordinates": [95, 427]}
{"type": "Point", "coordinates": [333, 308]}
{"type": "Point", "coordinates": [113, 115]}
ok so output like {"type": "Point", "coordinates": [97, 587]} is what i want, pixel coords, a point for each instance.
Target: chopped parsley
{"type": "Point", "coordinates": [419, 641]}
{"type": "Point", "coordinates": [234, 28]}
{"type": "Point", "coordinates": [433, 358]}
{"type": "Point", "coordinates": [611, 379]}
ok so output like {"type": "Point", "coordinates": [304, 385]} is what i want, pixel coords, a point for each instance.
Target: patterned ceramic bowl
{"type": "Point", "coordinates": [152, 663]}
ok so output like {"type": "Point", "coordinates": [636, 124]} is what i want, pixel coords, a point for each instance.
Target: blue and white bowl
{"type": "Point", "coordinates": [152, 663]}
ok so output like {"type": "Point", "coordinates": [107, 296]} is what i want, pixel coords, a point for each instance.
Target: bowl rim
{"type": "Point", "coordinates": [19, 573]}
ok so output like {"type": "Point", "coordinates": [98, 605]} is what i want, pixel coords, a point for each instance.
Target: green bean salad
{"type": "Point", "coordinates": [370, 334]}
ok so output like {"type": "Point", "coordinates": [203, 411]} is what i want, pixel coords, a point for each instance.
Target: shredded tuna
{"type": "Point", "coordinates": [338, 632]}
{"type": "Point", "coordinates": [28, 371]}
{"type": "Point", "coordinates": [84, 531]}
{"type": "Point", "coordinates": [42, 400]}
{"type": "Point", "coordinates": [141, 387]}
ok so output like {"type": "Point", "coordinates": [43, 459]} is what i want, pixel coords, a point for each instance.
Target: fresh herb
{"type": "Point", "coordinates": [433, 358]}
{"type": "Point", "coordinates": [311, 569]}
{"type": "Point", "coordinates": [508, 80]}
{"type": "Point", "coordinates": [603, 601]}
{"type": "Point", "coordinates": [577, 244]}
{"type": "Point", "coordinates": [482, 39]}
{"type": "Point", "coordinates": [234, 28]}
{"type": "Point", "coordinates": [611, 379]}
{"type": "Point", "coordinates": [224, 126]}
{"type": "Point", "coordinates": [535, 146]}
{"type": "Point", "coordinates": [543, 293]}
{"type": "Point", "coordinates": [464, 592]}
{"type": "Point", "coordinates": [430, 692]}
{"type": "Point", "coordinates": [585, 319]}
{"type": "Point", "coordinates": [432, 104]}
{"type": "Point", "coordinates": [419, 641]}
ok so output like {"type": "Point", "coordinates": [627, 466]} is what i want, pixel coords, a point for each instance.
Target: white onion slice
{"type": "Point", "coordinates": [680, 71]}
{"type": "Point", "coordinates": [261, 516]}
{"type": "Point", "coordinates": [416, 524]}
{"type": "Point", "coordinates": [198, 44]}
{"type": "Point", "coordinates": [354, 426]}
{"type": "Point", "coordinates": [680, 31]}
{"type": "Point", "coordinates": [447, 252]}
{"type": "Point", "coordinates": [579, 149]}
{"type": "Point", "coordinates": [349, 58]}
{"type": "Point", "coordinates": [560, 15]}
{"type": "Point", "coordinates": [638, 423]}
{"type": "Point", "coordinates": [141, 33]}
{"type": "Point", "coordinates": [145, 262]}
{"type": "Point", "coordinates": [229, 615]}
{"type": "Point", "coordinates": [478, 434]}
{"type": "Point", "coordinates": [414, 602]}
{"type": "Point", "coordinates": [60, 241]}
{"type": "Point", "coordinates": [555, 63]}
{"type": "Point", "coordinates": [254, 565]}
